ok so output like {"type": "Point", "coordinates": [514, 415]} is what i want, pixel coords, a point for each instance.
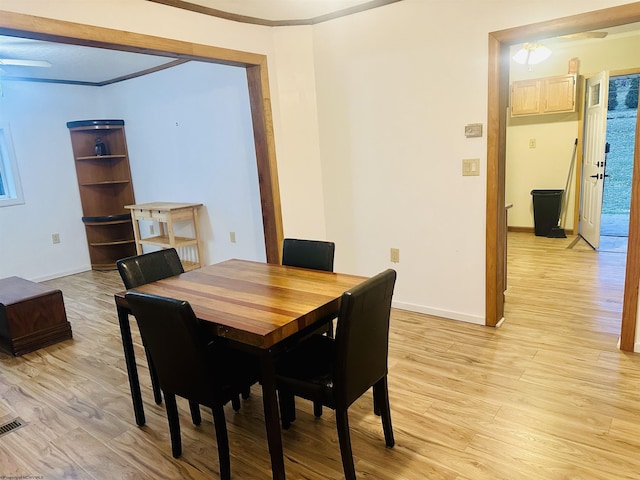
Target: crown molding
{"type": "Point", "coordinates": [193, 7]}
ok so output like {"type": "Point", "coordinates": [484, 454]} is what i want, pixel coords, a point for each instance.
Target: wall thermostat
{"type": "Point", "coordinates": [473, 130]}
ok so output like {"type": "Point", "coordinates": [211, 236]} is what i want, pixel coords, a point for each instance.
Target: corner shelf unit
{"type": "Point", "coordinates": [104, 180]}
{"type": "Point", "coordinates": [165, 215]}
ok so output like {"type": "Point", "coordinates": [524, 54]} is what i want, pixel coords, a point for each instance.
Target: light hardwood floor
{"type": "Point", "coordinates": [546, 396]}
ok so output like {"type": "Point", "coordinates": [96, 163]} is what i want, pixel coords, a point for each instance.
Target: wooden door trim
{"type": "Point", "coordinates": [499, 43]}
{"type": "Point", "coordinates": [52, 30]}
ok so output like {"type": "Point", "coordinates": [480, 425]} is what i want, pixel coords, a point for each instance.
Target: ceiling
{"type": "Point", "coordinates": [75, 64]}
{"type": "Point", "coordinates": [97, 66]}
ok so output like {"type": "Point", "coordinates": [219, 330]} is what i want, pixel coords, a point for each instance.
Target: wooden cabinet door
{"type": "Point", "coordinates": [525, 97]}
{"type": "Point", "coordinates": [559, 94]}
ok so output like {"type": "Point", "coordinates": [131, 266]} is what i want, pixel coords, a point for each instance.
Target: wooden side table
{"type": "Point", "coordinates": [165, 215]}
{"type": "Point", "coordinates": [32, 316]}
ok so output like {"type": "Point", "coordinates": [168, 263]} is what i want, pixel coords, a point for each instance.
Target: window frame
{"type": "Point", "coordinates": [10, 176]}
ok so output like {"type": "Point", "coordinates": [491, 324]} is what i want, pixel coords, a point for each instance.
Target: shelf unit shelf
{"type": "Point", "coordinates": [165, 215]}
{"type": "Point", "coordinates": [109, 182]}
{"type": "Point", "coordinates": [115, 242]}
{"type": "Point", "coordinates": [104, 180]}
{"type": "Point", "coordinates": [164, 240]}
{"type": "Point", "coordinates": [101, 158]}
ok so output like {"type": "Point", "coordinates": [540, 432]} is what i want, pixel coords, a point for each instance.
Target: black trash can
{"type": "Point", "coordinates": [546, 210]}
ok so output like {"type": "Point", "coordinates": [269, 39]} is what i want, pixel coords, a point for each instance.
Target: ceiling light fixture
{"type": "Point", "coordinates": [532, 54]}
{"type": "Point", "coordinates": [24, 63]}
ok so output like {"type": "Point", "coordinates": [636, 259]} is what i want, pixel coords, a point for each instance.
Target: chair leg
{"type": "Point", "coordinates": [174, 424]}
{"type": "Point", "coordinates": [342, 424]}
{"type": "Point", "coordinates": [330, 329]}
{"type": "Point", "coordinates": [317, 409]}
{"type": "Point", "coordinates": [155, 383]}
{"type": "Point", "coordinates": [246, 393]}
{"type": "Point", "coordinates": [235, 402]}
{"type": "Point", "coordinates": [222, 439]}
{"type": "Point", "coordinates": [376, 405]}
{"type": "Point", "coordinates": [381, 398]}
{"type": "Point", "coordinates": [287, 408]}
{"type": "Point", "coordinates": [195, 412]}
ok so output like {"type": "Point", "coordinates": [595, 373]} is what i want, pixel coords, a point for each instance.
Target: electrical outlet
{"type": "Point", "coordinates": [55, 238]}
{"type": "Point", "coordinates": [232, 237]}
{"type": "Point", "coordinates": [532, 143]}
{"type": "Point", "coordinates": [395, 255]}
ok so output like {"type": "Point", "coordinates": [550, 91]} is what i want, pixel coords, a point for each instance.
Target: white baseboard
{"type": "Point", "coordinates": [463, 317]}
{"type": "Point", "coordinates": [60, 274]}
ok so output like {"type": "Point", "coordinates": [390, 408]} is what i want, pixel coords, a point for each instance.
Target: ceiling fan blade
{"type": "Point", "coordinates": [581, 35]}
{"type": "Point", "coordinates": [24, 63]}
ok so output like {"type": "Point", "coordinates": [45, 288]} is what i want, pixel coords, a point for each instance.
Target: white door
{"type": "Point", "coordinates": [595, 134]}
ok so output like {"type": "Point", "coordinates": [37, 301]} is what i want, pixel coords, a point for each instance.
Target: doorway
{"type": "Point", "coordinates": [498, 87]}
{"type": "Point", "coordinates": [20, 25]}
{"type": "Point", "coordinates": [621, 126]}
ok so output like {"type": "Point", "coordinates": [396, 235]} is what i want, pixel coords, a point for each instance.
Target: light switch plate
{"type": "Point", "coordinates": [470, 167]}
{"type": "Point", "coordinates": [473, 130]}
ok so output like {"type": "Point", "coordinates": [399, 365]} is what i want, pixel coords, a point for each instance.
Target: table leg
{"type": "Point", "coordinates": [130, 359]}
{"type": "Point", "coordinates": [271, 415]}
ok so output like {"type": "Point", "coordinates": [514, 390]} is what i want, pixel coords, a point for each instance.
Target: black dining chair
{"type": "Point", "coordinates": [336, 372]}
{"type": "Point", "coordinates": [149, 267]}
{"type": "Point", "coordinates": [146, 268]}
{"type": "Point", "coordinates": [312, 254]}
{"type": "Point", "coordinates": [315, 255]}
{"type": "Point", "coordinates": [188, 366]}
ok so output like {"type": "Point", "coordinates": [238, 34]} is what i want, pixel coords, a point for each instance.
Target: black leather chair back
{"type": "Point", "coordinates": [362, 337]}
{"type": "Point", "coordinates": [314, 254]}
{"type": "Point", "coordinates": [170, 332]}
{"type": "Point", "coordinates": [149, 267]}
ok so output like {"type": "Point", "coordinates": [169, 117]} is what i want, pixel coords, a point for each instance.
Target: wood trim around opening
{"type": "Point", "coordinates": [496, 133]}
{"type": "Point", "coordinates": [51, 30]}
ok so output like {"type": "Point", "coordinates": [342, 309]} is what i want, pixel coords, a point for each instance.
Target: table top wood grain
{"type": "Point", "coordinates": [255, 303]}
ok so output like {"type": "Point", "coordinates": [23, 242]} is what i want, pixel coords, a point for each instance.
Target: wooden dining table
{"type": "Point", "coordinates": [259, 307]}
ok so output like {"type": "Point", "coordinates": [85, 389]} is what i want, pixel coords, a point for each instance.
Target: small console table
{"type": "Point", "coordinates": [32, 316]}
{"type": "Point", "coordinates": [165, 215]}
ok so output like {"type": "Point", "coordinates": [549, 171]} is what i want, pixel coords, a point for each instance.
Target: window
{"type": "Point", "coordinates": [10, 188]}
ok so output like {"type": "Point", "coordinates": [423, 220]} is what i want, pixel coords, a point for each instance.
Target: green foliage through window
{"type": "Point", "coordinates": [631, 100]}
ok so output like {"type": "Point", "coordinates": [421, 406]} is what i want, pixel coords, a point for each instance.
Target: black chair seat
{"type": "Point", "coordinates": [308, 369]}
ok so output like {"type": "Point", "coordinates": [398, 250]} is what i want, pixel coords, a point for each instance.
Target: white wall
{"type": "Point", "coordinates": [299, 162]}
{"type": "Point", "coordinates": [394, 88]}
{"type": "Point", "coordinates": [37, 115]}
{"type": "Point", "coordinates": [193, 144]}
{"type": "Point", "coordinates": [190, 139]}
